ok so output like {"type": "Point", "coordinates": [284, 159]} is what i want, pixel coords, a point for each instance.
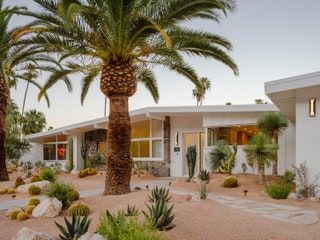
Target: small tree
{"type": "Point", "coordinates": [191, 160]}
{"type": "Point", "coordinates": [260, 152]}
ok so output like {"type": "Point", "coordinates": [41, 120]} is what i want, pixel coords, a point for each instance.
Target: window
{"type": "Point", "coordinates": [55, 148]}
{"type": "Point", "coordinates": [239, 135]}
{"type": "Point", "coordinates": [146, 139]}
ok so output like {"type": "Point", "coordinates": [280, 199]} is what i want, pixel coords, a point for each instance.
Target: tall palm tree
{"type": "Point", "coordinates": [15, 62]}
{"type": "Point", "coordinates": [33, 122]}
{"type": "Point", "coordinates": [119, 42]}
{"type": "Point", "coordinates": [273, 124]}
{"type": "Point", "coordinates": [200, 91]}
{"type": "Point", "coordinates": [260, 152]}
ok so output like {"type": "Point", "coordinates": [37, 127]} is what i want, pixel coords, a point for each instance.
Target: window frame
{"type": "Point", "coordinates": [56, 143]}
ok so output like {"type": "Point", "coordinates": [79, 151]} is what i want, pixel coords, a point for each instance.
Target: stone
{"type": "Point", "coordinates": [42, 184]}
{"type": "Point", "coordinates": [28, 234]}
{"type": "Point", "coordinates": [12, 210]}
{"type": "Point", "coordinates": [293, 196]}
{"type": "Point", "coordinates": [91, 236]}
{"type": "Point", "coordinates": [50, 207]}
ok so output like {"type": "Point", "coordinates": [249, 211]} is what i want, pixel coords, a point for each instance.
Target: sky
{"type": "Point", "coordinates": [271, 40]}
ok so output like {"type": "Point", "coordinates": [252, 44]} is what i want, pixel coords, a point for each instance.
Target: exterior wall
{"type": "Point", "coordinates": [35, 153]}
{"type": "Point", "coordinates": [308, 129]}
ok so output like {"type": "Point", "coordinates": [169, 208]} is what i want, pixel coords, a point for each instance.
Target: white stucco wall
{"type": "Point", "coordinates": [35, 153]}
{"type": "Point", "coordinates": [308, 129]}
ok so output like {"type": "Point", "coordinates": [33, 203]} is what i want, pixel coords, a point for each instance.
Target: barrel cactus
{"type": "Point", "coordinates": [79, 209]}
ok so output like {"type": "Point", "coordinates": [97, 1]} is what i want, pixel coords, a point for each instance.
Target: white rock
{"type": "Point", "coordinates": [91, 236]}
{"type": "Point", "coordinates": [50, 207]}
{"type": "Point", "coordinates": [28, 234]}
{"type": "Point", "coordinates": [293, 196]}
{"type": "Point", "coordinates": [25, 187]}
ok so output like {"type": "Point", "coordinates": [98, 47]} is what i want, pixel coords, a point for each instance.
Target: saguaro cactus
{"type": "Point", "coordinates": [191, 160]}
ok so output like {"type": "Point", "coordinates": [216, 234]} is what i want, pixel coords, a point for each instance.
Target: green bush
{"type": "Point", "coordinates": [34, 190]}
{"type": "Point", "coordinates": [19, 181]}
{"type": "Point", "coordinates": [288, 176]}
{"type": "Point", "coordinates": [36, 178]}
{"type": "Point", "coordinates": [230, 182]}
{"type": "Point", "coordinates": [48, 174]}
{"type": "Point", "coordinates": [62, 191]}
{"type": "Point", "coordinates": [204, 175]}
{"type": "Point", "coordinates": [278, 190]}
{"type": "Point", "coordinates": [118, 227]}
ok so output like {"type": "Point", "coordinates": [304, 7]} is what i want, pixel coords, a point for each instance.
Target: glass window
{"type": "Point", "coordinates": [49, 151]}
{"type": "Point", "coordinates": [157, 148]}
{"type": "Point", "coordinates": [140, 129]}
{"type": "Point", "coordinates": [144, 149]}
{"type": "Point", "coordinates": [102, 148]}
{"type": "Point", "coordinates": [134, 149]}
{"type": "Point", "coordinates": [156, 128]}
{"type": "Point", "coordinates": [62, 151]}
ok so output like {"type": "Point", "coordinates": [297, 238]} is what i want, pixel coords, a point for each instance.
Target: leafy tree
{"type": "Point", "coordinates": [200, 91]}
{"type": "Point", "coordinates": [119, 42]}
{"type": "Point", "coordinates": [260, 152]}
{"type": "Point", "coordinates": [33, 122]}
{"type": "Point", "coordinates": [273, 124]}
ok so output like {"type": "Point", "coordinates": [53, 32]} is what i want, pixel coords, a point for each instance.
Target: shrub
{"type": "Point", "coordinates": [2, 192]}
{"type": "Point", "coordinates": [34, 201]}
{"type": "Point", "coordinates": [217, 155]}
{"type": "Point", "coordinates": [39, 164]}
{"type": "Point", "coordinates": [278, 190]}
{"type": "Point", "coordinates": [91, 171]}
{"type": "Point", "coordinates": [131, 211]}
{"type": "Point", "coordinates": [230, 182]}
{"type": "Point", "coordinates": [11, 191]}
{"type": "Point", "coordinates": [96, 160]}
{"type": "Point", "coordinates": [82, 173]}
{"type": "Point", "coordinates": [74, 195]}
{"type": "Point", "coordinates": [48, 174]}
{"type": "Point", "coordinates": [158, 194]}
{"type": "Point", "coordinates": [118, 227]}
{"type": "Point", "coordinates": [74, 229]}
{"type": "Point", "coordinates": [14, 214]}
{"type": "Point", "coordinates": [22, 216]}
{"type": "Point", "coordinates": [19, 181]}
{"type": "Point", "coordinates": [288, 176]}
{"type": "Point", "coordinates": [62, 191]}
{"type": "Point", "coordinates": [203, 191]}
{"type": "Point", "coordinates": [191, 160]}
{"type": "Point", "coordinates": [30, 208]}
{"type": "Point", "coordinates": [36, 178]}
{"type": "Point", "coordinates": [34, 190]}
{"type": "Point", "coordinates": [204, 175]}
{"type": "Point", "coordinates": [305, 188]}
{"type": "Point", "coordinates": [79, 209]}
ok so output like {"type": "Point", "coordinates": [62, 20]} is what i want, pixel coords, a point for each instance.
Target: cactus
{"type": "Point", "coordinates": [230, 182]}
{"type": "Point", "coordinates": [74, 229]}
{"type": "Point", "coordinates": [74, 195]}
{"type": "Point", "coordinates": [11, 191]}
{"type": "Point", "coordinates": [91, 171]}
{"type": "Point", "coordinates": [14, 214]}
{"type": "Point", "coordinates": [191, 160]}
{"type": "Point", "coordinates": [22, 216]}
{"type": "Point", "coordinates": [29, 209]}
{"type": "Point", "coordinates": [36, 178]}
{"type": "Point", "coordinates": [158, 194]}
{"type": "Point", "coordinates": [34, 201]}
{"type": "Point", "coordinates": [79, 209]}
{"type": "Point", "coordinates": [34, 190]}
{"type": "Point", "coordinates": [228, 165]}
{"type": "Point", "coordinates": [131, 211]}
{"type": "Point", "coordinates": [82, 173]}
{"type": "Point", "coordinates": [19, 181]}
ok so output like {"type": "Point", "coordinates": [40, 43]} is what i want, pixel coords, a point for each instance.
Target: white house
{"type": "Point", "coordinates": [161, 135]}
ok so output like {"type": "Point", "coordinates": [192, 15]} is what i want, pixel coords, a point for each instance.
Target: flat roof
{"type": "Point", "coordinates": [157, 112]}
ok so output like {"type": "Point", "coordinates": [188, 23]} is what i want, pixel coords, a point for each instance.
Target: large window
{"type": "Point", "coordinates": [239, 135]}
{"type": "Point", "coordinates": [55, 148]}
{"type": "Point", "coordinates": [147, 140]}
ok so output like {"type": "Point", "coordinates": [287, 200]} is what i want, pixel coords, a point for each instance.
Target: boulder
{"type": "Point", "coordinates": [91, 236]}
{"type": "Point", "coordinates": [42, 184]}
{"type": "Point", "coordinates": [28, 234]}
{"type": "Point", "coordinates": [12, 210]}
{"type": "Point", "coordinates": [50, 207]}
{"type": "Point", "coordinates": [293, 196]}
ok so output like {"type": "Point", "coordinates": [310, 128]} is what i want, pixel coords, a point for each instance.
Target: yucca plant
{"type": "Point", "coordinates": [120, 42]}
{"type": "Point", "coordinates": [158, 194]}
{"type": "Point", "coordinates": [75, 229]}
{"type": "Point", "coordinates": [131, 211]}
{"type": "Point", "coordinates": [204, 175]}
{"type": "Point", "coordinates": [160, 215]}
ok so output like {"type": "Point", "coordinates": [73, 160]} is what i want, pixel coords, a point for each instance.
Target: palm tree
{"type": "Point", "coordinates": [33, 122]}
{"type": "Point", "coordinates": [260, 152]}
{"type": "Point", "coordinates": [200, 91]}
{"type": "Point", "coordinates": [260, 101]}
{"type": "Point", "coordinates": [119, 42]}
{"type": "Point", "coordinates": [15, 64]}
{"type": "Point", "coordinates": [273, 124]}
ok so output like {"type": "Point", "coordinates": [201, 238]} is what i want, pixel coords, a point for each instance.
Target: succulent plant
{"type": "Point", "coordinates": [29, 209]}
{"type": "Point", "coordinates": [91, 171]}
{"type": "Point", "coordinates": [34, 190]}
{"type": "Point", "coordinates": [74, 195]}
{"type": "Point", "coordinates": [159, 194]}
{"type": "Point", "coordinates": [82, 173]}
{"type": "Point", "coordinates": [22, 216]}
{"type": "Point", "coordinates": [230, 182]}
{"type": "Point", "coordinates": [11, 191]}
{"type": "Point", "coordinates": [131, 211]}
{"type": "Point", "coordinates": [2, 192]}
{"type": "Point", "coordinates": [204, 175]}
{"type": "Point", "coordinates": [19, 181]}
{"type": "Point", "coordinates": [34, 201]}
{"type": "Point", "coordinates": [74, 229]}
{"type": "Point", "coordinates": [36, 178]}
{"type": "Point", "coordinates": [14, 214]}
{"type": "Point", "coordinates": [79, 209]}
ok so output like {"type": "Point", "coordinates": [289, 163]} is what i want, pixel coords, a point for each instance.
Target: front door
{"type": "Point", "coordinates": [193, 139]}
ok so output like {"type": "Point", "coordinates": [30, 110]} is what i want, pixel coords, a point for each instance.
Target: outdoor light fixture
{"type": "Point", "coordinates": [177, 139]}
{"type": "Point", "coordinates": [312, 107]}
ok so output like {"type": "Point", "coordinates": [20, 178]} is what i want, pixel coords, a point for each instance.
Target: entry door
{"type": "Point", "coordinates": [193, 139]}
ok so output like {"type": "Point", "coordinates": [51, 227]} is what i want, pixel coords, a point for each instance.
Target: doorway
{"type": "Point", "coordinates": [196, 139]}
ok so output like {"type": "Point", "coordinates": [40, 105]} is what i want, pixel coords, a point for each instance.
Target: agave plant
{"type": "Point", "coordinates": [74, 229]}
{"type": "Point", "coordinates": [131, 211]}
{"type": "Point", "coordinates": [204, 175]}
{"type": "Point", "coordinates": [158, 194]}
{"type": "Point", "coordinates": [160, 215]}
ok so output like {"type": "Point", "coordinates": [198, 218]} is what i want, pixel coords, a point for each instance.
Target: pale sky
{"type": "Point", "coordinates": [271, 39]}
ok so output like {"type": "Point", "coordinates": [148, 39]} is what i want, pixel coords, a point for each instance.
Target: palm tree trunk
{"type": "Point", "coordinates": [23, 106]}
{"type": "Point", "coordinates": [118, 82]}
{"type": "Point", "coordinates": [275, 162]}
{"type": "Point", "coordinates": [4, 95]}
{"type": "Point", "coordinates": [261, 174]}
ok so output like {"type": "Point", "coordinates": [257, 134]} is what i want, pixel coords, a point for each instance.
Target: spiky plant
{"type": "Point", "coordinates": [203, 190]}
{"type": "Point", "coordinates": [160, 215]}
{"type": "Point", "coordinates": [191, 161]}
{"type": "Point", "coordinates": [204, 175]}
{"type": "Point", "coordinates": [75, 229]}
{"type": "Point", "coordinates": [79, 209]}
{"type": "Point", "coordinates": [131, 211]}
{"type": "Point", "coordinates": [119, 42]}
{"type": "Point", "coordinates": [159, 193]}
{"type": "Point", "coordinates": [228, 165]}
